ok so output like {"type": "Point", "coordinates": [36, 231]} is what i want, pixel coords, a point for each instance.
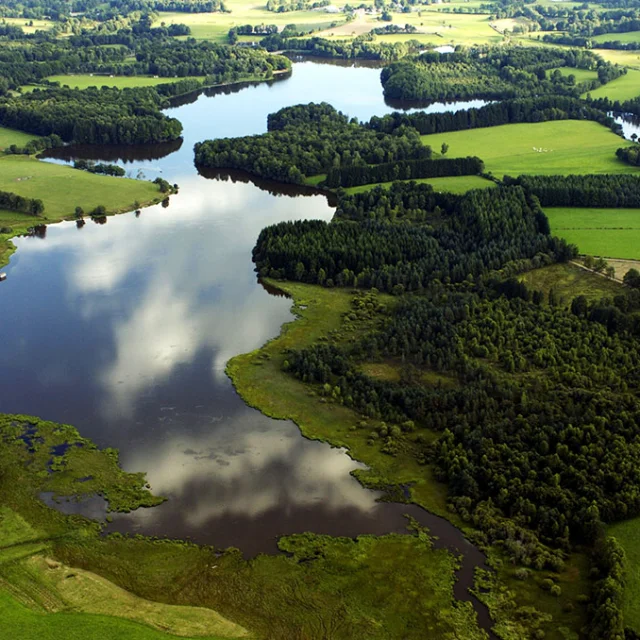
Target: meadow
{"type": "Point", "coordinates": [61, 188]}
{"type": "Point", "coordinates": [83, 81]}
{"type": "Point", "coordinates": [629, 36]}
{"type": "Point", "coordinates": [557, 147]}
{"type": "Point", "coordinates": [581, 75]}
{"type": "Point", "coordinates": [628, 535]}
{"type": "Point", "coordinates": [454, 184]}
{"type": "Point", "coordinates": [625, 87]}
{"type": "Point", "coordinates": [611, 233]}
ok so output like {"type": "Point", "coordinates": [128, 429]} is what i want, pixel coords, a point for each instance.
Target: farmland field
{"type": "Point", "coordinates": [629, 36]}
{"type": "Point", "coordinates": [558, 147]}
{"type": "Point", "coordinates": [581, 75]}
{"type": "Point", "coordinates": [622, 88]}
{"type": "Point", "coordinates": [612, 233]}
{"type": "Point", "coordinates": [628, 535]}
{"type": "Point", "coordinates": [454, 184]}
{"type": "Point", "coordinates": [83, 81]}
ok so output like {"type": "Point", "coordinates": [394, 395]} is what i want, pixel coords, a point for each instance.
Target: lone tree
{"type": "Point", "coordinates": [632, 278]}
{"type": "Point", "coordinates": [444, 148]}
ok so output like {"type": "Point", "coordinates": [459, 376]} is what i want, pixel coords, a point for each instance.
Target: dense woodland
{"type": "Point", "coordinates": [491, 73]}
{"type": "Point", "coordinates": [457, 238]}
{"type": "Point", "coordinates": [308, 140]}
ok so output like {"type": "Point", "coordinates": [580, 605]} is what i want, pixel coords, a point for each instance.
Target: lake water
{"type": "Point", "coordinates": [124, 329]}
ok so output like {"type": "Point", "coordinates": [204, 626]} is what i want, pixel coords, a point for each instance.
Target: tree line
{"type": "Point", "coordinates": [14, 202]}
{"type": "Point", "coordinates": [598, 190]}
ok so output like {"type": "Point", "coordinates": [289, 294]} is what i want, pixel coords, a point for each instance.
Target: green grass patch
{"type": "Point", "coordinates": [581, 75]}
{"type": "Point", "coordinates": [453, 184]}
{"type": "Point", "coordinates": [84, 81]}
{"type": "Point", "coordinates": [62, 188]}
{"type": "Point", "coordinates": [21, 623]}
{"type": "Point", "coordinates": [613, 233]}
{"type": "Point", "coordinates": [569, 280]}
{"type": "Point", "coordinates": [13, 136]}
{"type": "Point", "coordinates": [557, 147]}
{"type": "Point", "coordinates": [628, 535]}
{"type": "Point", "coordinates": [625, 87]}
{"type": "Point", "coordinates": [627, 37]}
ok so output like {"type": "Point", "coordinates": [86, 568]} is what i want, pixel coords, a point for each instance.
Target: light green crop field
{"type": "Point", "coordinates": [612, 233]}
{"type": "Point", "coordinates": [629, 36]}
{"type": "Point", "coordinates": [623, 88]}
{"type": "Point", "coordinates": [83, 81]}
{"type": "Point", "coordinates": [215, 26]}
{"type": "Point", "coordinates": [629, 59]}
{"type": "Point", "coordinates": [557, 147]}
{"type": "Point", "coordinates": [13, 136]}
{"type": "Point", "coordinates": [454, 184]}
{"type": "Point", "coordinates": [628, 535]}
{"type": "Point", "coordinates": [21, 623]}
{"type": "Point", "coordinates": [581, 75]}
{"type": "Point", "coordinates": [28, 25]}
{"type": "Point", "coordinates": [62, 188]}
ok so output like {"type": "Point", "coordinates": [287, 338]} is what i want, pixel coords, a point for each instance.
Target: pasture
{"type": "Point", "coordinates": [611, 233]}
{"type": "Point", "coordinates": [627, 533]}
{"type": "Point", "coordinates": [84, 81]}
{"type": "Point", "coordinates": [454, 184]}
{"type": "Point", "coordinates": [556, 147]}
{"type": "Point", "coordinates": [581, 75]}
{"type": "Point", "coordinates": [625, 87]}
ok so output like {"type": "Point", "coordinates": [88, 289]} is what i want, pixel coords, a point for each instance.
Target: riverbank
{"type": "Point", "coordinates": [261, 381]}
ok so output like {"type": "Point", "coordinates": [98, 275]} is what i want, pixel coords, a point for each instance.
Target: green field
{"type": "Point", "coordinates": [83, 81]}
{"type": "Point", "coordinates": [568, 281]}
{"type": "Point", "coordinates": [28, 25]}
{"type": "Point", "coordinates": [455, 184]}
{"type": "Point", "coordinates": [628, 535]}
{"type": "Point", "coordinates": [21, 623]}
{"type": "Point", "coordinates": [629, 36]}
{"type": "Point", "coordinates": [581, 75]}
{"type": "Point", "coordinates": [611, 233]}
{"type": "Point", "coordinates": [571, 146]}
{"type": "Point", "coordinates": [215, 26]}
{"type": "Point", "coordinates": [623, 88]}
{"type": "Point", "coordinates": [13, 136]}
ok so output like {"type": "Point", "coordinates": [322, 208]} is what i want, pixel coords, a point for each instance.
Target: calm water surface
{"type": "Point", "coordinates": [124, 330]}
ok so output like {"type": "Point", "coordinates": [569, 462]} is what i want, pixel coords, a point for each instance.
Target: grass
{"type": "Point", "coordinates": [22, 623]}
{"type": "Point", "coordinates": [629, 59]}
{"type": "Point", "coordinates": [628, 535]}
{"type": "Point", "coordinates": [455, 184]}
{"type": "Point", "coordinates": [569, 281]}
{"type": "Point", "coordinates": [629, 36]}
{"type": "Point", "coordinates": [612, 233]}
{"type": "Point", "coordinates": [83, 81]}
{"type": "Point", "coordinates": [13, 136]}
{"type": "Point", "coordinates": [62, 188]}
{"type": "Point", "coordinates": [23, 23]}
{"type": "Point", "coordinates": [215, 26]}
{"type": "Point", "coordinates": [581, 75]}
{"type": "Point", "coordinates": [572, 146]}
{"type": "Point", "coordinates": [625, 87]}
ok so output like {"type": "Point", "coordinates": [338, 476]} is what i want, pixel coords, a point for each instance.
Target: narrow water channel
{"type": "Point", "coordinates": [124, 330]}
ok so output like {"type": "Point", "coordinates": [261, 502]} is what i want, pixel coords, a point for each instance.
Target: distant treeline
{"type": "Point", "coordinates": [492, 73]}
{"type": "Point", "coordinates": [598, 190]}
{"type": "Point", "coordinates": [353, 176]}
{"type": "Point", "coordinates": [497, 113]}
{"type": "Point", "coordinates": [360, 47]}
{"type": "Point", "coordinates": [14, 202]}
{"type": "Point", "coordinates": [100, 167]}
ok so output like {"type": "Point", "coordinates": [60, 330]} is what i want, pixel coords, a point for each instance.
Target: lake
{"type": "Point", "coordinates": [124, 329]}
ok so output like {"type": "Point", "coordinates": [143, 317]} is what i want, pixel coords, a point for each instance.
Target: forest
{"type": "Point", "coordinates": [307, 140]}
{"type": "Point", "coordinates": [408, 237]}
{"type": "Point", "coordinates": [491, 73]}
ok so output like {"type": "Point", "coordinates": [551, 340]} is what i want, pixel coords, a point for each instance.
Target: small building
{"type": "Point", "coordinates": [3, 276]}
